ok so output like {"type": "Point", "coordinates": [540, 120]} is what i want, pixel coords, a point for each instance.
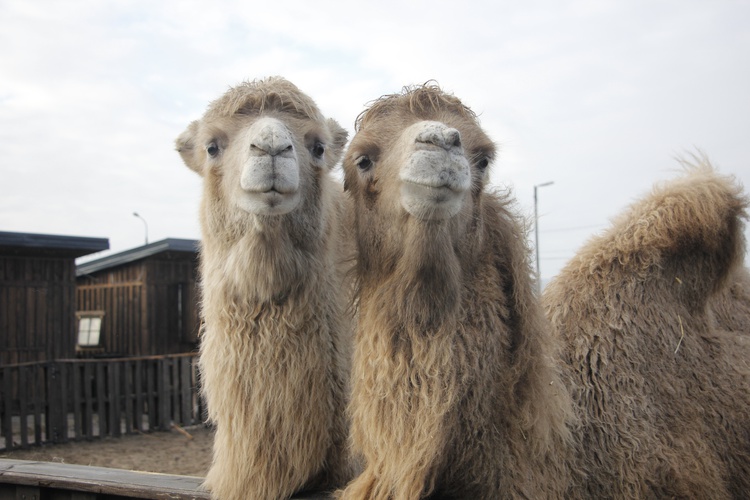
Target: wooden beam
{"type": "Point", "coordinates": [101, 482]}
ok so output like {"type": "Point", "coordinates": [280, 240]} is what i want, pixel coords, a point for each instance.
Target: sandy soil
{"type": "Point", "coordinates": [173, 452]}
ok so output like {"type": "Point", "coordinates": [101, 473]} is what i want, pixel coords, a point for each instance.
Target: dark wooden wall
{"type": "Point", "coordinates": [150, 306]}
{"type": "Point", "coordinates": [37, 308]}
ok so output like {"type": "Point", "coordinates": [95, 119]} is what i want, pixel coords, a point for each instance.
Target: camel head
{"type": "Point", "coordinates": [261, 145]}
{"type": "Point", "coordinates": [418, 162]}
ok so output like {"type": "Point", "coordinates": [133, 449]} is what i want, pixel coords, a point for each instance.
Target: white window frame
{"type": "Point", "coordinates": [89, 331]}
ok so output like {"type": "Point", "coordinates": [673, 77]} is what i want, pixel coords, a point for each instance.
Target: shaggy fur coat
{"type": "Point", "coordinates": [664, 400]}
{"type": "Point", "coordinates": [455, 391]}
{"type": "Point", "coordinates": [274, 355]}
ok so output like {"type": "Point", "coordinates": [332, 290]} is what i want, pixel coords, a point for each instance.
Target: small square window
{"type": "Point", "coordinates": [89, 328]}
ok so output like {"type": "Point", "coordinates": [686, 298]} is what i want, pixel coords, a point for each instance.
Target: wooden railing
{"type": "Point", "coordinates": [42, 480]}
{"type": "Point", "coordinates": [59, 401]}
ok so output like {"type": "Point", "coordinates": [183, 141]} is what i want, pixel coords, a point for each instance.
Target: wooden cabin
{"type": "Point", "coordinates": [139, 302]}
{"type": "Point", "coordinates": [37, 294]}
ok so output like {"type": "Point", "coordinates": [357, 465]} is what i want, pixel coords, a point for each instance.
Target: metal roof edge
{"type": "Point", "coordinates": [80, 245]}
{"type": "Point", "coordinates": [138, 253]}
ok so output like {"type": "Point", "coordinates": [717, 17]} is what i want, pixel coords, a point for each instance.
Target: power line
{"type": "Point", "coordinates": [578, 228]}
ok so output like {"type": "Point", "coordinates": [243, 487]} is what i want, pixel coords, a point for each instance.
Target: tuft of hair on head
{"type": "Point", "coordinates": [260, 95]}
{"type": "Point", "coordinates": [422, 100]}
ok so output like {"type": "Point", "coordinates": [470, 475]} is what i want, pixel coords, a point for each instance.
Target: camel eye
{"type": "Point", "coordinates": [364, 163]}
{"type": "Point", "coordinates": [318, 149]}
{"type": "Point", "coordinates": [483, 162]}
{"type": "Point", "coordinates": [212, 149]}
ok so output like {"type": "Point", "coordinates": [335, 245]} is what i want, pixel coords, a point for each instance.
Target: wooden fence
{"type": "Point", "coordinates": [64, 400]}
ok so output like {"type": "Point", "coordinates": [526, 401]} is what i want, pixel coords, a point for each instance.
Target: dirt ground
{"type": "Point", "coordinates": [185, 453]}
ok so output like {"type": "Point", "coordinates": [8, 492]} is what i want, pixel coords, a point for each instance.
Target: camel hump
{"type": "Point", "coordinates": [686, 232]}
{"type": "Point", "coordinates": [698, 213]}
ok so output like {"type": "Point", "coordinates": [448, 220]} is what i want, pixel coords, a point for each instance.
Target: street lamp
{"type": "Point", "coordinates": [135, 214]}
{"type": "Point", "coordinates": [536, 237]}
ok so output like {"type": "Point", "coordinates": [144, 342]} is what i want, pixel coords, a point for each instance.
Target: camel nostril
{"type": "Point", "coordinates": [445, 138]}
{"type": "Point", "coordinates": [453, 138]}
{"type": "Point", "coordinates": [271, 150]}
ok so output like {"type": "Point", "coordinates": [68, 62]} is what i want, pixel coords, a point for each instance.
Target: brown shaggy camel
{"type": "Point", "coordinates": [274, 349]}
{"type": "Point", "coordinates": [664, 397]}
{"type": "Point", "coordinates": [454, 390]}
{"type": "Point", "coordinates": [732, 306]}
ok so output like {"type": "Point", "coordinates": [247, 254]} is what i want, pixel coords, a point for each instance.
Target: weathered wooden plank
{"type": "Point", "coordinates": [7, 405]}
{"type": "Point", "coordinates": [77, 390]}
{"type": "Point", "coordinates": [101, 384]}
{"type": "Point", "coordinates": [23, 404]}
{"type": "Point", "coordinates": [64, 382]}
{"type": "Point", "coordinates": [104, 286]}
{"type": "Point", "coordinates": [139, 400]}
{"type": "Point", "coordinates": [114, 398]}
{"type": "Point", "coordinates": [151, 384]}
{"type": "Point", "coordinates": [88, 411]}
{"type": "Point", "coordinates": [186, 392]}
{"type": "Point", "coordinates": [163, 394]}
{"type": "Point", "coordinates": [100, 480]}
{"type": "Point", "coordinates": [128, 388]}
{"type": "Point", "coordinates": [173, 388]}
{"type": "Point", "coordinates": [104, 482]}
{"type": "Point", "coordinates": [38, 401]}
{"type": "Point", "coordinates": [56, 418]}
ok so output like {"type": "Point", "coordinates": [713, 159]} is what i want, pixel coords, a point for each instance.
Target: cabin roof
{"type": "Point", "coordinates": [31, 244]}
{"type": "Point", "coordinates": [138, 253]}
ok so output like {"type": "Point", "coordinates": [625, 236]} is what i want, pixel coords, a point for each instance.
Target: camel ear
{"type": "Point", "coordinates": [338, 140]}
{"type": "Point", "coordinates": [690, 228]}
{"type": "Point", "coordinates": [185, 145]}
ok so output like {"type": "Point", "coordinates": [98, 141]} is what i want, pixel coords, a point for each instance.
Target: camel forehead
{"type": "Point", "coordinates": [390, 115]}
{"type": "Point", "coordinates": [264, 96]}
{"type": "Point", "coordinates": [385, 131]}
{"type": "Point", "coordinates": [425, 102]}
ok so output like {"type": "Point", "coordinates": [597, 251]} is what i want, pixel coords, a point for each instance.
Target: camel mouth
{"type": "Point", "coordinates": [431, 201]}
{"type": "Point", "coordinates": [270, 202]}
{"type": "Point", "coordinates": [276, 190]}
{"type": "Point", "coordinates": [434, 188]}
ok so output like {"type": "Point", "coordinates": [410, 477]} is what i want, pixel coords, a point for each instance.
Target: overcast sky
{"type": "Point", "coordinates": [597, 96]}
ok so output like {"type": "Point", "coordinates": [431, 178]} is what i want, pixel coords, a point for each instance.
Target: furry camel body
{"type": "Point", "coordinates": [663, 396]}
{"type": "Point", "coordinates": [274, 348]}
{"type": "Point", "coordinates": [455, 394]}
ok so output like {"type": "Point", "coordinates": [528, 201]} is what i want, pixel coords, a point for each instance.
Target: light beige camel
{"type": "Point", "coordinates": [663, 392]}
{"type": "Point", "coordinates": [455, 394]}
{"type": "Point", "coordinates": [274, 348]}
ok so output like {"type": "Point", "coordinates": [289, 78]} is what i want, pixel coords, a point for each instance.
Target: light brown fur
{"type": "Point", "coordinates": [455, 392]}
{"type": "Point", "coordinates": [274, 350]}
{"type": "Point", "coordinates": [664, 399]}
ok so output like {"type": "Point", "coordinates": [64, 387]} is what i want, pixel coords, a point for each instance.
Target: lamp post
{"type": "Point", "coordinates": [536, 237]}
{"type": "Point", "coordinates": [135, 214]}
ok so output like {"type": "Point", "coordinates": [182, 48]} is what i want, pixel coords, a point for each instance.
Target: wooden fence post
{"type": "Point", "coordinates": [56, 418]}
{"type": "Point", "coordinates": [6, 405]}
{"type": "Point", "coordinates": [163, 388]}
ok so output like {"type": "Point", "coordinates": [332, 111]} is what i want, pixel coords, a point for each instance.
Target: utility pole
{"type": "Point", "coordinates": [536, 236]}
{"type": "Point", "coordinates": [135, 214]}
